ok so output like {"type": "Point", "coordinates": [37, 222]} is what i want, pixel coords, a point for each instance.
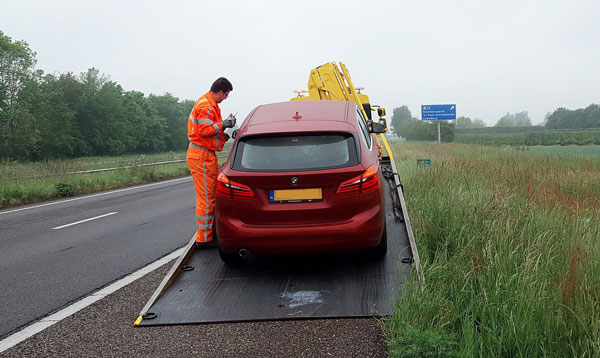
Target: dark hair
{"type": "Point", "coordinates": [221, 84]}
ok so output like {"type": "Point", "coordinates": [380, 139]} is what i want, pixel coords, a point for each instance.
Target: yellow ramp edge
{"type": "Point", "coordinates": [138, 321]}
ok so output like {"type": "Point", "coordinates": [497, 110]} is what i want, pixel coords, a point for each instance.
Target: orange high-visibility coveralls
{"type": "Point", "coordinates": [205, 133]}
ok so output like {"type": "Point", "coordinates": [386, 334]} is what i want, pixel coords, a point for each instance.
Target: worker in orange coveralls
{"type": "Point", "coordinates": [206, 135]}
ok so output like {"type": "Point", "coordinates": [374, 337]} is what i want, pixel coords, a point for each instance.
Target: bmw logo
{"type": "Point", "coordinates": [294, 180]}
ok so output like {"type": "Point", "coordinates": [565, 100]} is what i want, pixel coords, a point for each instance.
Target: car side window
{"type": "Point", "coordinates": [363, 126]}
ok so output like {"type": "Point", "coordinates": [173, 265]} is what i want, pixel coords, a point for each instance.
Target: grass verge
{"type": "Point", "coordinates": [509, 249]}
{"type": "Point", "coordinates": [39, 189]}
{"type": "Point", "coordinates": [26, 183]}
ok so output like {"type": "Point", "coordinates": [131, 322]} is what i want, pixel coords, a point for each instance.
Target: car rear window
{"type": "Point", "coordinates": [296, 152]}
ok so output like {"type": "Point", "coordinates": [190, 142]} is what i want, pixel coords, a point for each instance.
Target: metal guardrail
{"type": "Point", "coordinates": [127, 167]}
{"type": "Point", "coordinates": [94, 171]}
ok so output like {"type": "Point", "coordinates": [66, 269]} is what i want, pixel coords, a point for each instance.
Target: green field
{"type": "Point", "coordinates": [580, 150]}
{"type": "Point", "coordinates": [10, 170]}
{"type": "Point", "coordinates": [24, 183]}
{"type": "Point", "coordinates": [510, 252]}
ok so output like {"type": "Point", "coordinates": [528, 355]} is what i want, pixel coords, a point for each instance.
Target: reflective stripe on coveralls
{"type": "Point", "coordinates": [196, 146]}
{"type": "Point", "coordinates": [199, 226]}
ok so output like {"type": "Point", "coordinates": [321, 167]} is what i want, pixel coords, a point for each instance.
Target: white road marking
{"type": "Point", "coordinates": [44, 323]}
{"type": "Point", "coordinates": [82, 221]}
{"type": "Point", "coordinates": [94, 195]}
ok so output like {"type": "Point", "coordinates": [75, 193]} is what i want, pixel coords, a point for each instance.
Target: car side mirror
{"type": "Point", "coordinates": [377, 128]}
{"type": "Point", "coordinates": [234, 134]}
{"type": "Point", "coordinates": [381, 112]}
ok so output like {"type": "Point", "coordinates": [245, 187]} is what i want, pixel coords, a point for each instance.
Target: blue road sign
{"type": "Point", "coordinates": [438, 112]}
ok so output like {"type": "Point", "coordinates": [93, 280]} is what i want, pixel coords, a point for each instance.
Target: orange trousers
{"type": "Point", "coordinates": [205, 168]}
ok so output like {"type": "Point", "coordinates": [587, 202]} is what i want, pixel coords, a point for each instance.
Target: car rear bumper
{"type": "Point", "coordinates": [362, 231]}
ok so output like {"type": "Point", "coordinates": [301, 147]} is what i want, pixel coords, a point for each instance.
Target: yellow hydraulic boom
{"type": "Point", "coordinates": [331, 82]}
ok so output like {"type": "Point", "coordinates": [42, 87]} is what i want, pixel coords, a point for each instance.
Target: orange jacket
{"type": "Point", "coordinates": [205, 126]}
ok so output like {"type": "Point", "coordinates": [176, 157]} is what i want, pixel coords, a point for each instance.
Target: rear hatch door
{"type": "Point", "coordinates": [295, 177]}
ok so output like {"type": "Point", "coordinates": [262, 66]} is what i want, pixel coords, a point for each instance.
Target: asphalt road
{"type": "Point", "coordinates": [57, 252]}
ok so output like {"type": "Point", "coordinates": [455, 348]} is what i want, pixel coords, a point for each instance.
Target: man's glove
{"type": "Point", "coordinates": [228, 123]}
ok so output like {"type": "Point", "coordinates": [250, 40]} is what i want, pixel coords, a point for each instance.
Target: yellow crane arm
{"type": "Point", "coordinates": [328, 82]}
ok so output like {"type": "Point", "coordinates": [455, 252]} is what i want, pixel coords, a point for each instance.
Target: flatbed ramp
{"type": "Point", "coordinates": [201, 289]}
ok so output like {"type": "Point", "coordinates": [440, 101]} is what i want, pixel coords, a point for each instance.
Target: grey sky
{"type": "Point", "coordinates": [487, 57]}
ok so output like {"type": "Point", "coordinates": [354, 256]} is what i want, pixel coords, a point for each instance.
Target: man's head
{"type": "Point", "coordinates": [220, 89]}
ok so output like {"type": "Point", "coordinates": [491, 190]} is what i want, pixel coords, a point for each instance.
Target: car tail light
{"type": "Point", "coordinates": [363, 183]}
{"type": "Point", "coordinates": [231, 190]}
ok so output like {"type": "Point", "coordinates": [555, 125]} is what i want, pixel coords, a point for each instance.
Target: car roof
{"type": "Point", "coordinates": [300, 116]}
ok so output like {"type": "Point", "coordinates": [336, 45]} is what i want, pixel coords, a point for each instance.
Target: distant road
{"type": "Point", "coordinates": [54, 253]}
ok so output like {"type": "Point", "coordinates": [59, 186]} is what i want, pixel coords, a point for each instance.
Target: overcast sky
{"type": "Point", "coordinates": [489, 58]}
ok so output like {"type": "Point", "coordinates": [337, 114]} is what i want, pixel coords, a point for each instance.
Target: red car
{"type": "Point", "coordinates": [302, 176]}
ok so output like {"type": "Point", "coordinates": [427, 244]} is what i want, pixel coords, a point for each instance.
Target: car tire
{"type": "Point", "coordinates": [230, 259]}
{"type": "Point", "coordinates": [378, 252]}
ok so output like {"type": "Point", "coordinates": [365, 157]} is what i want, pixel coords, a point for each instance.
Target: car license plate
{"type": "Point", "coordinates": [295, 195]}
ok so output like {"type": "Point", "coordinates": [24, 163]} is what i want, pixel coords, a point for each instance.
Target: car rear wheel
{"type": "Point", "coordinates": [378, 252]}
{"type": "Point", "coordinates": [230, 259]}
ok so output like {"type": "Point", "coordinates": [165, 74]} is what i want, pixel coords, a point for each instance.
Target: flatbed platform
{"type": "Point", "coordinates": [202, 289]}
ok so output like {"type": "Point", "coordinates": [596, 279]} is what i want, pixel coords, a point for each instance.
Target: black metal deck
{"type": "Point", "coordinates": [286, 287]}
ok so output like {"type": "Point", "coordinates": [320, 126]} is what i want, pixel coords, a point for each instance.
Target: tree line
{"type": "Point", "coordinates": [563, 118]}
{"type": "Point", "coordinates": [531, 138]}
{"type": "Point", "coordinates": [54, 116]}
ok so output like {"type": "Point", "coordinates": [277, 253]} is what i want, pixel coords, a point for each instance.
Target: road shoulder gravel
{"type": "Point", "coordinates": [105, 329]}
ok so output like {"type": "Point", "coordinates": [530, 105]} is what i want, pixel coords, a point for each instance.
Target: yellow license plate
{"type": "Point", "coordinates": [295, 195]}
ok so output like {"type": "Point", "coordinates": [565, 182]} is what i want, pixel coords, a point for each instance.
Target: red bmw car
{"type": "Point", "coordinates": [301, 177]}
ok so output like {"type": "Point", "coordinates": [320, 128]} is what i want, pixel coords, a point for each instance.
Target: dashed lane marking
{"type": "Point", "coordinates": [86, 220]}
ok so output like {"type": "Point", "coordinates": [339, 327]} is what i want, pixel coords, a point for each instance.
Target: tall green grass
{"type": "Point", "coordinates": [510, 250]}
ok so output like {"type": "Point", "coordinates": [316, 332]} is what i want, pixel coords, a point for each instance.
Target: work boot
{"type": "Point", "coordinates": [206, 245]}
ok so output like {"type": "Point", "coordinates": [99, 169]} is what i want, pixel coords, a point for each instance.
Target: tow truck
{"type": "Point", "coordinates": [199, 288]}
